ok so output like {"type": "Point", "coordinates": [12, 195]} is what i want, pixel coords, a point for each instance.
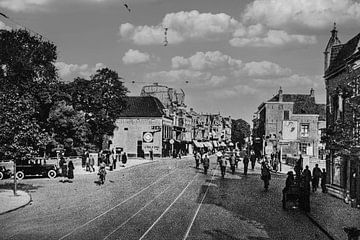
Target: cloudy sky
{"type": "Point", "coordinates": [228, 56]}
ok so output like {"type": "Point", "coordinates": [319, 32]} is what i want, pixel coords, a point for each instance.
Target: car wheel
{"type": "Point", "coordinates": [20, 175]}
{"type": "Point", "coordinates": [1, 175]}
{"type": "Point", "coordinates": [51, 174]}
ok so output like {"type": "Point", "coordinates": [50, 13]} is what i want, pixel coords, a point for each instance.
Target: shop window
{"type": "Point", "coordinates": [303, 148]}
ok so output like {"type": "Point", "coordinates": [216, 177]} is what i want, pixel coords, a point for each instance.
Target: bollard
{"type": "Point", "coordinates": [352, 232]}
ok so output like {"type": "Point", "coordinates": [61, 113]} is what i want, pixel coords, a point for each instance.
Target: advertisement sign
{"type": "Point", "coordinates": [290, 130]}
{"type": "Point", "coordinates": [148, 137]}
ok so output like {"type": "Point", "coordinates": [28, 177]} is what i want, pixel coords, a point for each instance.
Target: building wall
{"type": "Point", "coordinates": [130, 130]}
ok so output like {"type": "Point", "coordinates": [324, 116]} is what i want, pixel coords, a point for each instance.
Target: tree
{"type": "Point", "coordinates": [101, 99]}
{"type": "Point", "coordinates": [69, 127]}
{"type": "Point", "coordinates": [26, 78]}
{"type": "Point", "coordinates": [240, 130]}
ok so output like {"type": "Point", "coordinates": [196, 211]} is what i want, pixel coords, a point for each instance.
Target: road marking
{"type": "Point", "coordinates": [77, 228]}
{"type": "Point", "coordinates": [167, 209]}
{"type": "Point", "coordinates": [198, 209]}
{"type": "Point", "coordinates": [147, 204]}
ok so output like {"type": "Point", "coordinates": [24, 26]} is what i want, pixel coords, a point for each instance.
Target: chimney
{"type": "Point", "coordinates": [280, 95]}
{"type": "Point", "coordinates": [312, 92]}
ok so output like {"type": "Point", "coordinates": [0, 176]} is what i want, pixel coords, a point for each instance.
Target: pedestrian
{"type": "Point", "coordinates": [71, 168]}
{"type": "Point", "coordinates": [63, 166]}
{"type": "Point", "coordinates": [232, 163]}
{"type": "Point", "coordinates": [151, 153]}
{"type": "Point", "coordinates": [323, 181]}
{"type": "Point", "coordinates": [219, 156]}
{"type": "Point", "coordinates": [307, 175]}
{"type": "Point", "coordinates": [252, 160]}
{"type": "Point", "coordinates": [102, 173]}
{"type": "Point", "coordinates": [206, 163]}
{"type": "Point", "coordinates": [246, 164]}
{"type": "Point", "coordinates": [304, 197]}
{"type": "Point", "coordinates": [197, 160]}
{"type": "Point", "coordinates": [91, 163]}
{"type": "Point", "coordinates": [265, 175]}
{"type": "Point", "coordinates": [316, 177]}
{"type": "Point", "coordinates": [289, 182]}
{"type": "Point", "coordinates": [223, 164]}
{"type": "Point", "coordinates": [298, 169]}
{"type": "Point", "coordinates": [113, 159]}
{"type": "Point", "coordinates": [124, 159]}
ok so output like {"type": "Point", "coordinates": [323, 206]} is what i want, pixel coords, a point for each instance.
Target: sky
{"type": "Point", "coordinates": [228, 56]}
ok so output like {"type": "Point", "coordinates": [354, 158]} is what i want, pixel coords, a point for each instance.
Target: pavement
{"type": "Point", "coordinates": [330, 214]}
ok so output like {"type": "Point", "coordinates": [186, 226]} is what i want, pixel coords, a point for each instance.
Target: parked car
{"type": "Point", "coordinates": [36, 166]}
{"type": "Point", "coordinates": [4, 172]}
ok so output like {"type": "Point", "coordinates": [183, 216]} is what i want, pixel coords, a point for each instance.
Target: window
{"type": "Point", "coordinates": [304, 130]}
{"type": "Point", "coordinates": [286, 115]}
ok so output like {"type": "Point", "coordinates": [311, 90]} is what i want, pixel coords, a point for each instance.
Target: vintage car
{"type": "Point", "coordinates": [36, 166]}
{"type": "Point", "coordinates": [4, 172]}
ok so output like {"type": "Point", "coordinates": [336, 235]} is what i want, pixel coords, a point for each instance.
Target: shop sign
{"type": "Point", "coordinates": [148, 137]}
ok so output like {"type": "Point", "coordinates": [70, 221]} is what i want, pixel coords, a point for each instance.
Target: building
{"type": "Point", "coordinates": [143, 127]}
{"type": "Point", "coordinates": [342, 74]}
{"type": "Point", "coordinates": [291, 124]}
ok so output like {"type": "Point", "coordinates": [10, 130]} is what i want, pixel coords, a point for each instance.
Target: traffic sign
{"type": "Point", "coordinates": [171, 141]}
{"type": "Point", "coordinates": [148, 137]}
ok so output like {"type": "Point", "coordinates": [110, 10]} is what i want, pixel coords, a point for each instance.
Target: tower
{"type": "Point", "coordinates": [332, 48]}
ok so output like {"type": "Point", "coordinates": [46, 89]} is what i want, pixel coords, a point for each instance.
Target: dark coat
{"type": "Point", "coordinates": [124, 158]}
{"type": "Point", "coordinates": [71, 171]}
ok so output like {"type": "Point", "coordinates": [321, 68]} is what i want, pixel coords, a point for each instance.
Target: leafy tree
{"type": "Point", "coordinates": [240, 130]}
{"type": "Point", "coordinates": [101, 99]}
{"type": "Point", "coordinates": [68, 126]}
{"type": "Point", "coordinates": [26, 78]}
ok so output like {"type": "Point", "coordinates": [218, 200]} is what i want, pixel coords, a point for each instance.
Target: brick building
{"type": "Point", "coordinates": [143, 126]}
{"type": "Point", "coordinates": [342, 74]}
{"type": "Point", "coordinates": [290, 123]}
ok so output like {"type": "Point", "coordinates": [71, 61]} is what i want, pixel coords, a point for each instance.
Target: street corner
{"type": "Point", "coordinates": [11, 202]}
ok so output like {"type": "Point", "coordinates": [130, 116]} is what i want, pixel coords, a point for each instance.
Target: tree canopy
{"type": "Point", "coordinates": [240, 130]}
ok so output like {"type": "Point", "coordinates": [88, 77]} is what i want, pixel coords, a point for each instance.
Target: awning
{"type": "Point", "coordinates": [223, 144]}
{"type": "Point", "coordinates": [215, 143]}
{"type": "Point", "coordinates": [197, 144]}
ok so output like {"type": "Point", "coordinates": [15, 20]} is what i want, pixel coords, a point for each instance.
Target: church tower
{"type": "Point", "coordinates": [332, 48]}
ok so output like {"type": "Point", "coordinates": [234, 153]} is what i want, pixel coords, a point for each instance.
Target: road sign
{"type": "Point", "coordinates": [171, 141]}
{"type": "Point", "coordinates": [148, 137]}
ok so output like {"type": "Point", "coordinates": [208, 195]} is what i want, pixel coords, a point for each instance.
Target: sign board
{"type": "Point", "coordinates": [148, 137]}
{"type": "Point", "coordinates": [156, 128]}
{"type": "Point", "coordinates": [171, 141]}
{"type": "Point", "coordinates": [290, 130]}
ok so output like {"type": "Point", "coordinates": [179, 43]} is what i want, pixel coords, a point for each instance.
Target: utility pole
{"type": "Point", "coordinates": [15, 183]}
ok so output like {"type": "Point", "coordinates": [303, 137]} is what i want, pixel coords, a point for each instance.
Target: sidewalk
{"type": "Point", "coordinates": [10, 202]}
{"type": "Point", "coordinates": [330, 213]}
{"type": "Point", "coordinates": [333, 214]}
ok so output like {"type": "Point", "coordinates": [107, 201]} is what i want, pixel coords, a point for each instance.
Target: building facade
{"type": "Point", "coordinates": [143, 127]}
{"type": "Point", "coordinates": [290, 124]}
{"type": "Point", "coordinates": [342, 75]}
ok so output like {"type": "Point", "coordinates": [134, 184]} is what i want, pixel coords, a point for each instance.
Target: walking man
{"type": "Point", "coordinates": [223, 166]}
{"type": "Point", "coordinates": [323, 181]}
{"type": "Point", "coordinates": [206, 163]}
{"type": "Point", "coordinates": [197, 160]}
{"type": "Point", "coordinates": [316, 177]}
{"type": "Point", "coordinates": [246, 164]}
{"type": "Point", "coordinates": [265, 175]}
{"type": "Point", "coordinates": [252, 160]}
{"type": "Point", "coordinates": [232, 163]}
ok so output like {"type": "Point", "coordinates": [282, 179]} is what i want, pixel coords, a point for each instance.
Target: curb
{"type": "Point", "coordinates": [25, 204]}
{"type": "Point", "coordinates": [312, 219]}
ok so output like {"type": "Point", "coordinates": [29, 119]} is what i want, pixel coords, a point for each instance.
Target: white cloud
{"type": "Point", "coordinates": [66, 70]}
{"type": "Point", "coordinates": [206, 60]}
{"type": "Point", "coordinates": [272, 38]}
{"type": "Point", "coordinates": [181, 26]}
{"type": "Point", "coordinates": [186, 26]}
{"type": "Point", "coordinates": [4, 26]}
{"type": "Point", "coordinates": [265, 68]}
{"type": "Point", "coordinates": [135, 56]}
{"type": "Point", "coordinates": [23, 5]}
{"type": "Point", "coordinates": [287, 14]}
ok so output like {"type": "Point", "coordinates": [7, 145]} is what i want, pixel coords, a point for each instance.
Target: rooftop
{"type": "Point", "coordinates": [146, 106]}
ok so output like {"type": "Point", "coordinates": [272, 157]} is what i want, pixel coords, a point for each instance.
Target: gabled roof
{"type": "Point", "coordinates": [292, 98]}
{"type": "Point", "coordinates": [146, 106]}
{"type": "Point", "coordinates": [346, 51]}
{"type": "Point", "coordinates": [303, 104]}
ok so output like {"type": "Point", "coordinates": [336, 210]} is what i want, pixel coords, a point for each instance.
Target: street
{"type": "Point", "coordinates": [166, 199]}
